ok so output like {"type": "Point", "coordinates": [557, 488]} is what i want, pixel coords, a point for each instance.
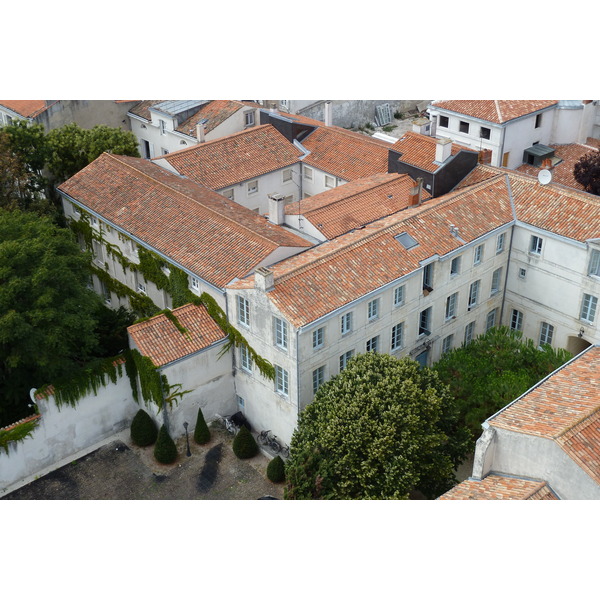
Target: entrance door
{"type": "Point", "coordinates": [422, 358]}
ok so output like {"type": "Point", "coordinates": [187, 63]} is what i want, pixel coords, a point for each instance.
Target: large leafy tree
{"type": "Point", "coordinates": [494, 369]}
{"type": "Point", "coordinates": [47, 314]}
{"type": "Point", "coordinates": [380, 429]}
{"type": "Point", "coordinates": [587, 172]}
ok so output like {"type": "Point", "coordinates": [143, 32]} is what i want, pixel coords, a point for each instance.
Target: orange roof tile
{"type": "Point", "coordinates": [216, 111]}
{"type": "Point", "coordinates": [494, 111]}
{"type": "Point", "coordinates": [235, 158]}
{"type": "Point", "coordinates": [160, 340]}
{"type": "Point", "coordinates": [28, 109]}
{"type": "Point", "coordinates": [195, 227]}
{"type": "Point", "coordinates": [498, 487]}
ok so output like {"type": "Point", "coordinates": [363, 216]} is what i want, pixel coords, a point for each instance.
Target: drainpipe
{"type": "Point", "coordinates": [502, 146]}
{"type": "Point", "coordinates": [512, 233]}
{"type": "Point", "coordinates": [297, 375]}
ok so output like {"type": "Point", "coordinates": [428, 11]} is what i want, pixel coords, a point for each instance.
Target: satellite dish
{"type": "Point", "coordinates": [544, 177]}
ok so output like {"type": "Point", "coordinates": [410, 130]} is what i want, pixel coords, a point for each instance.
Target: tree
{"type": "Point", "coordinates": [201, 432]}
{"type": "Point", "coordinates": [165, 451]}
{"type": "Point", "coordinates": [493, 370]}
{"type": "Point", "coordinates": [111, 329]}
{"type": "Point", "coordinates": [587, 172]}
{"type": "Point", "coordinates": [378, 430]}
{"type": "Point", "coordinates": [244, 444]}
{"type": "Point", "coordinates": [47, 313]}
{"type": "Point", "coordinates": [276, 470]}
{"type": "Point", "coordinates": [143, 429]}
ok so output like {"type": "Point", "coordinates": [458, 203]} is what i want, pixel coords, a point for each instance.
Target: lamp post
{"type": "Point", "coordinates": [187, 439]}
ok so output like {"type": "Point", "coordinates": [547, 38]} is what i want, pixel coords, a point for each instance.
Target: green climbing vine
{"type": "Point", "coordinates": [17, 433]}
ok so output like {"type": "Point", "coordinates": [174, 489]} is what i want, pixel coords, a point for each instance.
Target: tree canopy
{"type": "Point", "coordinates": [494, 369]}
{"type": "Point", "coordinates": [587, 172]}
{"type": "Point", "coordinates": [380, 429]}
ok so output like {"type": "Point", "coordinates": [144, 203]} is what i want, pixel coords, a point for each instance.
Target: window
{"type": "Point", "coordinates": [455, 266]}
{"type": "Point", "coordinates": [469, 331]}
{"type": "Point", "coordinates": [373, 344]}
{"type": "Point", "coordinates": [195, 283]}
{"type": "Point", "coordinates": [594, 268]}
{"type": "Point", "coordinates": [522, 273]}
{"type": "Point", "coordinates": [373, 309]}
{"type": "Point", "coordinates": [97, 252]}
{"type": "Point", "coordinates": [535, 246]}
{"type": "Point", "coordinates": [538, 120]}
{"type": "Point", "coordinates": [516, 320]}
{"type": "Point", "coordinates": [346, 323]}
{"type": "Point", "coordinates": [141, 287]}
{"type": "Point", "coordinates": [478, 254]}
{"type": "Point", "coordinates": [287, 175]}
{"type": "Point", "coordinates": [249, 119]}
{"type": "Point", "coordinates": [588, 308]}
{"type": "Point", "coordinates": [228, 193]}
{"type": "Point", "coordinates": [308, 173]}
{"type": "Point", "coordinates": [473, 294]}
{"type": "Point", "coordinates": [490, 320]}
{"type": "Point", "coordinates": [443, 121]}
{"type": "Point", "coordinates": [329, 181]}
{"type": "Point", "coordinates": [500, 243]}
{"type": "Point", "coordinates": [398, 336]}
{"type": "Point", "coordinates": [253, 186]}
{"type": "Point", "coordinates": [546, 333]}
{"type": "Point", "coordinates": [318, 338]}
{"type": "Point", "coordinates": [485, 133]}
{"type": "Point", "coordinates": [318, 377]}
{"type": "Point", "coordinates": [245, 359]}
{"type": "Point", "coordinates": [425, 322]}
{"type": "Point", "coordinates": [105, 292]}
{"type": "Point", "coordinates": [344, 358]}
{"type": "Point", "coordinates": [451, 306]}
{"type": "Point", "coordinates": [163, 127]}
{"type": "Point", "coordinates": [281, 380]}
{"type": "Point", "coordinates": [447, 343]}
{"type": "Point", "coordinates": [243, 307]}
{"type": "Point", "coordinates": [407, 240]}
{"type": "Point", "coordinates": [399, 296]}
{"type": "Point", "coordinates": [164, 151]}
{"type": "Point", "coordinates": [8, 120]}
{"type": "Point", "coordinates": [496, 277]}
{"type": "Point", "coordinates": [428, 277]}
{"type": "Point", "coordinates": [463, 127]}
{"type": "Point", "coordinates": [280, 332]}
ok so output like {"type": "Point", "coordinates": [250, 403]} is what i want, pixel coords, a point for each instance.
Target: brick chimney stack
{"type": "Point", "coordinates": [415, 193]}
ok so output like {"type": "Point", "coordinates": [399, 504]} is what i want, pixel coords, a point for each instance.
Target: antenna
{"type": "Point", "coordinates": [544, 177]}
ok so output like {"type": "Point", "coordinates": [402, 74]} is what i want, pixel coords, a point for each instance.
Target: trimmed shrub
{"type": "Point", "coordinates": [165, 451]}
{"type": "Point", "coordinates": [244, 444]}
{"type": "Point", "coordinates": [201, 433]}
{"type": "Point", "coordinates": [276, 470]}
{"type": "Point", "coordinates": [143, 429]}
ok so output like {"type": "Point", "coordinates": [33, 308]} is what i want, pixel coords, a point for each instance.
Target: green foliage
{"type": "Point", "coordinates": [165, 451]}
{"type": "Point", "coordinates": [378, 430]}
{"type": "Point", "coordinates": [276, 470]}
{"type": "Point", "coordinates": [143, 429]}
{"type": "Point", "coordinates": [17, 433]}
{"type": "Point", "coordinates": [111, 329]}
{"type": "Point", "coordinates": [587, 172]}
{"type": "Point", "coordinates": [244, 444]}
{"type": "Point", "coordinates": [201, 432]}
{"type": "Point", "coordinates": [493, 370]}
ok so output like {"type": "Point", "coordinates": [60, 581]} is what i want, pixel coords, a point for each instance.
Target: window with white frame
{"type": "Point", "coordinates": [105, 292]}
{"type": "Point", "coordinates": [399, 296]}
{"type": "Point", "coordinates": [469, 332]}
{"type": "Point", "coordinates": [428, 277]}
{"type": "Point", "coordinates": [473, 294]}
{"type": "Point", "coordinates": [344, 358]}
{"type": "Point", "coordinates": [97, 251]}
{"type": "Point", "coordinates": [397, 336]}
{"type": "Point", "coordinates": [141, 284]}
{"type": "Point", "coordinates": [282, 381]}
{"type": "Point", "coordinates": [249, 119]}
{"type": "Point", "coordinates": [443, 121]}
{"type": "Point", "coordinates": [286, 175]}
{"type": "Point", "coordinates": [346, 323]}
{"type": "Point", "coordinates": [253, 186]}
{"type": "Point", "coordinates": [463, 127]}
{"type": "Point", "coordinates": [490, 320]}
{"type": "Point", "coordinates": [373, 344]}
{"type": "Point", "coordinates": [318, 338]}
{"type": "Point", "coordinates": [243, 310]}
{"type": "Point", "coordinates": [230, 193]}
{"type": "Point", "coordinates": [280, 333]}
{"type": "Point", "coordinates": [451, 302]}
{"type": "Point", "coordinates": [308, 172]}
{"type": "Point", "coordinates": [522, 273]}
{"type": "Point", "coordinates": [373, 309]}
{"type": "Point", "coordinates": [245, 359]}
{"type": "Point", "coordinates": [447, 343]}
{"type": "Point", "coordinates": [546, 333]}
{"type": "Point", "coordinates": [535, 245]}
{"type": "Point", "coordinates": [500, 240]}
{"type": "Point", "coordinates": [588, 308]}
{"type": "Point", "coordinates": [425, 322]}
{"type": "Point", "coordinates": [318, 378]}
{"type": "Point", "coordinates": [329, 181]}
{"type": "Point", "coordinates": [455, 266]}
{"type": "Point", "coordinates": [516, 320]}
{"type": "Point", "coordinates": [594, 267]}
{"type": "Point", "coordinates": [163, 127]}
{"type": "Point", "coordinates": [478, 254]}
{"type": "Point", "coordinates": [496, 281]}
{"type": "Point", "coordinates": [194, 283]}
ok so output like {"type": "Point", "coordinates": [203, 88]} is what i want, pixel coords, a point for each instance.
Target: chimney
{"type": "Point", "coordinates": [485, 157]}
{"type": "Point", "coordinates": [422, 126]}
{"type": "Point", "coordinates": [547, 164]}
{"type": "Point", "coordinates": [415, 193]}
{"type": "Point", "coordinates": [443, 148]}
{"type": "Point", "coordinates": [328, 119]}
{"type": "Point", "coordinates": [264, 279]}
{"type": "Point", "coordinates": [200, 132]}
{"type": "Point", "coordinates": [276, 209]}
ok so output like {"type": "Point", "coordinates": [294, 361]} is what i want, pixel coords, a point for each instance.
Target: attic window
{"type": "Point", "coordinates": [407, 240]}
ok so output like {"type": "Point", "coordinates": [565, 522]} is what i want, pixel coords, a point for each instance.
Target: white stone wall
{"type": "Point", "coordinates": [313, 181]}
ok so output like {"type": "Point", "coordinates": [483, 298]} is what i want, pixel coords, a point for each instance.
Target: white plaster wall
{"type": "Point", "coordinates": [304, 226]}
{"type": "Point", "coordinates": [522, 133]}
{"type": "Point", "coordinates": [567, 125]}
{"type": "Point", "coordinates": [316, 185]}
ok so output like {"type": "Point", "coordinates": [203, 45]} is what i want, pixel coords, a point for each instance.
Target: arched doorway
{"type": "Point", "coordinates": [576, 344]}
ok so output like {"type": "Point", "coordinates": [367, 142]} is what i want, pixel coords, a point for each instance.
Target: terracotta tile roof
{"type": "Point", "coordinates": [498, 487]}
{"type": "Point", "coordinates": [346, 154]}
{"type": "Point", "coordinates": [564, 407]}
{"type": "Point", "coordinates": [419, 150]}
{"type": "Point", "coordinates": [160, 340]}
{"type": "Point", "coordinates": [357, 203]}
{"type": "Point", "coordinates": [563, 172]}
{"type": "Point", "coordinates": [216, 111]}
{"type": "Point", "coordinates": [197, 228]}
{"type": "Point", "coordinates": [28, 109]}
{"type": "Point", "coordinates": [297, 118]}
{"type": "Point", "coordinates": [494, 111]}
{"type": "Point", "coordinates": [235, 158]}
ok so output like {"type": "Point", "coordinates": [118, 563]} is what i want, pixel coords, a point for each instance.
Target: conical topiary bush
{"type": "Point", "coordinates": [276, 470]}
{"type": "Point", "coordinates": [244, 444]}
{"type": "Point", "coordinates": [201, 433]}
{"type": "Point", "coordinates": [165, 451]}
{"type": "Point", "coordinates": [143, 429]}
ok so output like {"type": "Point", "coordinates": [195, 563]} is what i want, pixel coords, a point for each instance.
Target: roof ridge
{"type": "Point", "coordinates": [497, 103]}
{"type": "Point", "coordinates": [570, 429]}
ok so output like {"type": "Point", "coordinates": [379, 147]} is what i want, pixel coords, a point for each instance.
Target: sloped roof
{"type": "Point", "coordinates": [160, 340]}
{"type": "Point", "coordinates": [235, 158]}
{"type": "Point", "coordinates": [356, 203]}
{"type": "Point", "coordinates": [499, 487]}
{"type": "Point", "coordinates": [195, 227]}
{"type": "Point", "coordinates": [28, 109]}
{"type": "Point", "coordinates": [494, 111]}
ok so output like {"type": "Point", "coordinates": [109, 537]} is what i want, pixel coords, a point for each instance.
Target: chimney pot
{"type": "Point", "coordinates": [328, 119]}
